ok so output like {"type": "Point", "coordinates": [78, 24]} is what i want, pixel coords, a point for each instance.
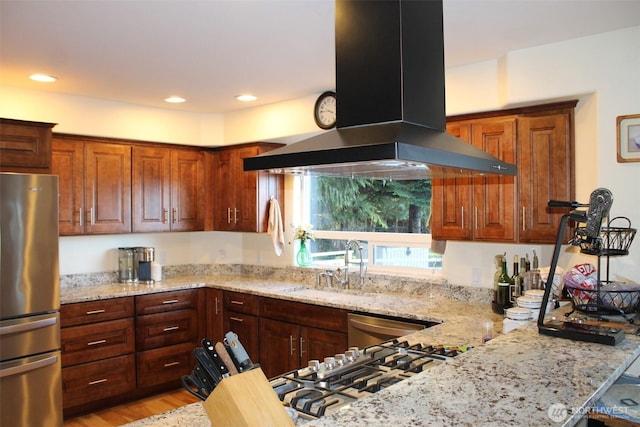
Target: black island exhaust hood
{"type": "Point", "coordinates": [390, 102]}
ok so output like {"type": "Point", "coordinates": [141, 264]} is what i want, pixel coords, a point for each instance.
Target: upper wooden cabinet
{"type": "Point", "coordinates": [241, 199]}
{"type": "Point", "coordinates": [168, 189]}
{"type": "Point", "coordinates": [482, 207]}
{"type": "Point", "coordinates": [503, 209]}
{"type": "Point", "coordinates": [94, 185]}
{"type": "Point", "coordinates": [25, 146]}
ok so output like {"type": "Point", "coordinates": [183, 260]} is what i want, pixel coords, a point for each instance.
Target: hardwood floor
{"type": "Point", "coordinates": [132, 411]}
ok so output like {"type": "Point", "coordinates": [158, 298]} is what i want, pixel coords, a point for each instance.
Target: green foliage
{"type": "Point", "coordinates": [357, 204]}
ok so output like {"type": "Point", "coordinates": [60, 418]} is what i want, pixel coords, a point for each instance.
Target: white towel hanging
{"type": "Point", "coordinates": [275, 228]}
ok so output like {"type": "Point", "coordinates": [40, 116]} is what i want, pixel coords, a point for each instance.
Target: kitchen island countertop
{"type": "Point", "coordinates": [519, 378]}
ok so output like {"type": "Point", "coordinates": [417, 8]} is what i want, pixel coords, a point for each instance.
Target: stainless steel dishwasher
{"type": "Point", "coordinates": [367, 329]}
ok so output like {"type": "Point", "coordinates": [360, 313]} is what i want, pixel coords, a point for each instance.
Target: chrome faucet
{"type": "Point", "coordinates": [358, 246]}
{"type": "Point", "coordinates": [341, 275]}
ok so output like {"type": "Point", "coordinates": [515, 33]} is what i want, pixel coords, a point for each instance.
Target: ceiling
{"type": "Point", "coordinates": [209, 51]}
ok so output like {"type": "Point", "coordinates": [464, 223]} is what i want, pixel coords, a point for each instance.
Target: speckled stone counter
{"type": "Point", "coordinates": [520, 378]}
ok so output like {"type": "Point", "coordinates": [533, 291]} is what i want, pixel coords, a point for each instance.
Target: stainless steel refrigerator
{"type": "Point", "coordinates": [30, 368]}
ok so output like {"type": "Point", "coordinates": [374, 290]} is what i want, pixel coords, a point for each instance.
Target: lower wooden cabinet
{"type": "Point", "coordinates": [86, 343]}
{"type": "Point", "coordinates": [164, 365]}
{"type": "Point", "coordinates": [246, 327]}
{"type": "Point", "coordinates": [94, 381]}
{"type": "Point", "coordinates": [292, 333]}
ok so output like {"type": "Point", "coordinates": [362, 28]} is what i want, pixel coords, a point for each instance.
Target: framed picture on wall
{"type": "Point", "coordinates": [628, 138]}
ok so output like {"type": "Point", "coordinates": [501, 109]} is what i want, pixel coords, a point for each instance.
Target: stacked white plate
{"type": "Point", "coordinates": [518, 313]}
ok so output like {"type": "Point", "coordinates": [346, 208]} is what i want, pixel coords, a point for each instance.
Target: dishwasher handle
{"type": "Point", "coordinates": [391, 332]}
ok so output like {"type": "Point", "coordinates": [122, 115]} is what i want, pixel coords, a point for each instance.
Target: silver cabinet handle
{"type": "Point", "coordinates": [228, 215]}
{"type": "Point", "coordinates": [216, 306]}
{"type": "Point", "coordinates": [80, 217]}
{"type": "Point", "coordinates": [237, 302]}
{"type": "Point", "coordinates": [301, 347]}
{"type": "Point", "coordinates": [236, 319]}
{"type": "Point", "coordinates": [96, 342]}
{"type": "Point", "coordinates": [170, 301]}
{"type": "Point", "coordinates": [170, 364]}
{"type": "Point", "coordinates": [524, 226]}
{"type": "Point", "coordinates": [171, 328]}
{"type": "Point", "coordinates": [235, 216]}
{"type": "Point", "coordinates": [291, 349]}
{"type": "Point", "coordinates": [100, 381]}
{"type": "Point", "coordinates": [462, 211]}
{"type": "Point", "coordinates": [175, 215]}
{"type": "Point", "coordinates": [165, 215]}
{"type": "Point", "coordinates": [102, 310]}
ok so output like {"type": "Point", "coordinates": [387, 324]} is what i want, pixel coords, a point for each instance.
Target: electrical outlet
{"type": "Point", "coordinates": [476, 276]}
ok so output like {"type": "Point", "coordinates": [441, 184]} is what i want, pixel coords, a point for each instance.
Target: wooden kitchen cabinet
{"type": "Point", "coordinates": [241, 199]}
{"type": "Point", "coordinates": [479, 207]}
{"type": "Point", "coordinates": [240, 315]}
{"type": "Point", "coordinates": [503, 209]}
{"type": "Point", "coordinates": [98, 361]}
{"type": "Point", "coordinates": [215, 320]}
{"type": "Point", "coordinates": [94, 184]}
{"type": "Point", "coordinates": [168, 189]}
{"type": "Point", "coordinates": [545, 171]}
{"type": "Point", "coordinates": [292, 333]}
{"type": "Point", "coordinates": [25, 146]}
{"type": "Point", "coordinates": [167, 331]}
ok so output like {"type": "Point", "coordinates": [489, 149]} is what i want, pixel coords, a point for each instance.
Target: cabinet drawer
{"type": "Point", "coordinates": [97, 341]}
{"type": "Point", "coordinates": [93, 381]}
{"type": "Point", "coordinates": [81, 313]}
{"type": "Point", "coordinates": [241, 303]}
{"type": "Point", "coordinates": [162, 329]}
{"type": "Point", "coordinates": [164, 301]}
{"type": "Point", "coordinates": [165, 364]}
{"type": "Point", "coordinates": [304, 314]}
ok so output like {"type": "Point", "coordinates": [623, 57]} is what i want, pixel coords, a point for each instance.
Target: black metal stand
{"type": "Point", "coordinates": [572, 330]}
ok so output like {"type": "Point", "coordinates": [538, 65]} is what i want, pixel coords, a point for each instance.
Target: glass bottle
{"type": "Point", "coordinates": [503, 299]}
{"type": "Point", "coordinates": [516, 290]}
{"type": "Point", "coordinates": [498, 262]}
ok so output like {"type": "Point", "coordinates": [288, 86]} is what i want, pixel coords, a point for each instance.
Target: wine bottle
{"type": "Point", "coordinates": [504, 286]}
{"type": "Point", "coordinates": [515, 281]}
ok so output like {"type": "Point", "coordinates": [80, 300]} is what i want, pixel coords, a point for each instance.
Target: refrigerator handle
{"type": "Point", "coordinates": [21, 369]}
{"type": "Point", "coordinates": [30, 326]}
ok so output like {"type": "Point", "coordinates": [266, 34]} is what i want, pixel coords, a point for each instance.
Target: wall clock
{"type": "Point", "coordinates": [324, 111]}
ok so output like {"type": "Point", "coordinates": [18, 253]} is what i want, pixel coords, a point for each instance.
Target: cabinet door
{"type": "Point", "coordinates": [67, 161]}
{"type": "Point", "coordinates": [25, 146]}
{"type": "Point", "coordinates": [107, 188]}
{"type": "Point", "coordinates": [223, 192]}
{"type": "Point", "coordinates": [214, 328]}
{"type": "Point", "coordinates": [494, 196]}
{"type": "Point", "coordinates": [187, 190]}
{"type": "Point", "coordinates": [279, 347]}
{"type": "Point", "coordinates": [246, 327]}
{"type": "Point", "coordinates": [151, 181]}
{"type": "Point", "coordinates": [246, 201]}
{"type": "Point", "coordinates": [451, 204]}
{"type": "Point", "coordinates": [319, 343]}
{"type": "Point", "coordinates": [545, 173]}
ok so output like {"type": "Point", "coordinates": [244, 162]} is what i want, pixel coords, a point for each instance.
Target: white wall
{"type": "Point", "coordinates": [601, 71]}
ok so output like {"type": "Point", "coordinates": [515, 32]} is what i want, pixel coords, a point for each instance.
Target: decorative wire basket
{"type": "Point", "coordinates": [619, 300]}
{"type": "Point", "coordinates": [612, 241]}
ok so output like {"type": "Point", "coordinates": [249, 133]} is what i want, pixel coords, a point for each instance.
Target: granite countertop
{"type": "Point", "coordinates": [519, 378]}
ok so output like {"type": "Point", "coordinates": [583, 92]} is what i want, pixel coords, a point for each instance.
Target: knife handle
{"type": "Point", "coordinates": [238, 351]}
{"type": "Point", "coordinates": [209, 347]}
{"type": "Point", "coordinates": [226, 359]}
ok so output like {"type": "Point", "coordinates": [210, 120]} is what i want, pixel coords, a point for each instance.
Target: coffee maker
{"type": "Point", "coordinates": [144, 256]}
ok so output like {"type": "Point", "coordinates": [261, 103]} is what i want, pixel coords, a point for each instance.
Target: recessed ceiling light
{"type": "Point", "coordinates": [174, 99]}
{"type": "Point", "coordinates": [43, 78]}
{"type": "Point", "coordinates": [246, 98]}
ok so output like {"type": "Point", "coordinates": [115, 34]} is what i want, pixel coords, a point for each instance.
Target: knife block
{"type": "Point", "coordinates": [246, 400]}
